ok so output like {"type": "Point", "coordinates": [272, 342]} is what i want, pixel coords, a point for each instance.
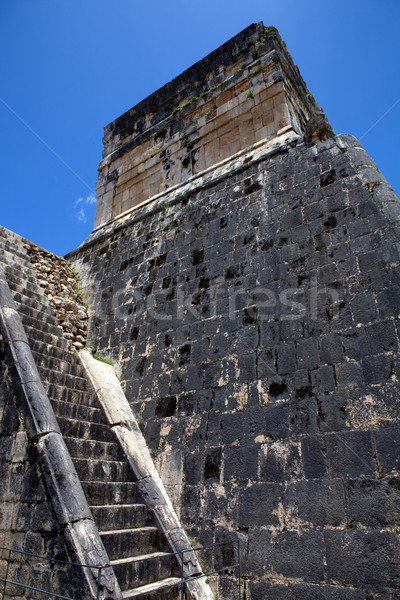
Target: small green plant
{"type": "Point", "coordinates": [250, 94]}
{"type": "Point", "coordinates": [207, 581]}
{"type": "Point", "coordinates": [132, 112]}
{"type": "Point", "coordinates": [185, 104]}
{"type": "Point", "coordinates": [239, 69]}
{"type": "Point", "coordinates": [73, 273]}
{"type": "Point", "coordinates": [136, 229]}
{"type": "Point", "coordinates": [255, 71]}
{"type": "Point", "coordinates": [217, 85]}
{"type": "Point", "coordinates": [103, 359]}
{"type": "Point", "coordinates": [186, 143]}
{"type": "Point", "coordinates": [208, 115]}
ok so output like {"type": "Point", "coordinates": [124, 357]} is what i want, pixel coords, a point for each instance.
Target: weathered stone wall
{"type": "Point", "coordinates": [245, 92]}
{"type": "Point", "coordinates": [254, 322]}
{"type": "Point", "coordinates": [61, 286]}
{"type": "Point", "coordinates": [27, 522]}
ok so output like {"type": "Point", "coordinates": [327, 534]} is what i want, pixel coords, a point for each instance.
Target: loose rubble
{"type": "Point", "coordinates": [61, 285]}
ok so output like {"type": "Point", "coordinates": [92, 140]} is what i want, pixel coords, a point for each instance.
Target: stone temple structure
{"type": "Point", "coordinates": [243, 278]}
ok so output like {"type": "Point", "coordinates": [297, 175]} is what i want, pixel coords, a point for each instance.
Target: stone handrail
{"type": "Point", "coordinates": [122, 422]}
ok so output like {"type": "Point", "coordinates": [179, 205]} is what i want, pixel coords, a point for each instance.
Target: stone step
{"type": "Point", "coordinates": [59, 393]}
{"type": "Point", "coordinates": [111, 492]}
{"type": "Point", "coordinates": [85, 449]}
{"type": "Point", "coordinates": [24, 287]}
{"type": "Point", "coordinates": [127, 543]}
{"type": "Point", "coordinates": [11, 239]}
{"type": "Point", "coordinates": [92, 469]}
{"type": "Point", "coordinates": [7, 234]}
{"type": "Point", "coordinates": [85, 430]}
{"type": "Point", "coordinates": [37, 315]}
{"type": "Point", "coordinates": [142, 570]}
{"type": "Point", "coordinates": [19, 282]}
{"type": "Point", "coordinates": [11, 253]}
{"type": "Point", "coordinates": [60, 352]}
{"type": "Point", "coordinates": [122, 516]}
{"type": "Point", "coordinates": [10, 236]}
{"type": "Point", "coordinates": [58, 365]}
{"type": "Point", "coordinates": [78, 411]}
{"type": "Point", "coordinates": [37, 302]}
{"type": "Point", "coordinates": [59, 359]}
{"type": "Point", "coordinates": [40, 325]}
{"type": "Point", "coordinates": [64, 379]}
{"type": "Point", "coordinates": [54, 339]}
{"type": "Point", "coordinates": [166, 589]}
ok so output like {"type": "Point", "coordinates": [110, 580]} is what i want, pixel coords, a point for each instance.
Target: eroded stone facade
{"type": "Point", "coordinates": [246, 92]}
{"type": "Point", "coordinates": [254, 322]}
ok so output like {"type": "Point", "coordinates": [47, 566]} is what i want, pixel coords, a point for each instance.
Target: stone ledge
{"type": "Point", "coordinates": [233, 165]}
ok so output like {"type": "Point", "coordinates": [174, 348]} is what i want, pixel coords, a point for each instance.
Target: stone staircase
{"type": "Point", "coordinates": [138, 551]}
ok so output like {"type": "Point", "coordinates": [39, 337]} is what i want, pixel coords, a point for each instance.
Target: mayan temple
{"type": "Point", "coordinates": [201, 401]}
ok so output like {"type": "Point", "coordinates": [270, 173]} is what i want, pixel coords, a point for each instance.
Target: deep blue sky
{"type": "Point", "coordinates": [69, 67]}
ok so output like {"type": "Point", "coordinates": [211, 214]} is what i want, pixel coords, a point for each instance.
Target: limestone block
{"type": "Point", "coordinates": [246, 133]}
{"type": "Point", "coordinates": [69, 501]}
{"type": "Point", "coordinates": [232, 104]}
{"type": "Point", "coordinates": [6, 515]}
{"type": "Point", "coordinates": [24, 362]}
{"type": "Point", "coordinates": [5, 294]}
{"type": "Point", "coordinates": [199, 590]}
{"type": "Point", "coordinates": [108, 388]}
{"type": "Point", "coordinates": [223, 98]}
{"type": "Point", "coordinates": [136, 450]}
{"type": "Point", "coordinates": [257, 117]}
{"type": "Point", "coordinates": [20, 447]}
{"type": "Point", "coordinates": [11, 323]}
{"type": "Point", "coordinates": [84, 538]}
{"type": "Point", "coordinates": [116, 209]}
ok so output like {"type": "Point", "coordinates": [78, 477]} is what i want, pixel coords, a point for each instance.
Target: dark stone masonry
{"type": "Point", "coordinates": [243, 276]}
{"type": "Point", "coordinates": [254, 322]}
